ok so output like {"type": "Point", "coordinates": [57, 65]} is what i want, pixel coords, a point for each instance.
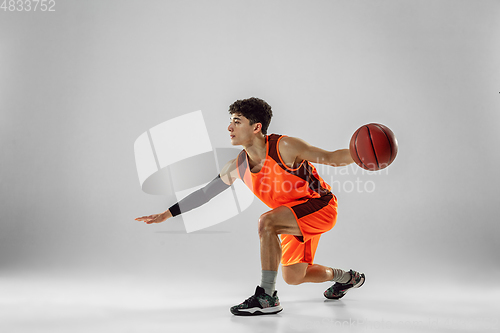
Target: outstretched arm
{"type": "Point", "coordinates": [200, 197]}
{"type": "Point", "coordinates": [155, 218]}
{"type": "Point", "coordinates": [340, 157]}
{"type": "Point", "coordinates": [305, 151]}
{"type": "Point", "coordinates": [197, 198]}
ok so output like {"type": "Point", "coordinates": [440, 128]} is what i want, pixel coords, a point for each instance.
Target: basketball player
{"type": "Point", "coordinates": [278, 170]}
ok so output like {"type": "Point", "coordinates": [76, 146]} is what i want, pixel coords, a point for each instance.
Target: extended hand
{"type": "Point", "coordinates": [155, 218]}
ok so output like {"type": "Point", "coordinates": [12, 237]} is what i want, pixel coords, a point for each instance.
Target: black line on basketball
{"type": "Point", "coordinates": [356, 146]}
{"type": "Point", "coordinates": [388, 140]}
{"type": "Point", "coordinates": [373, 147]}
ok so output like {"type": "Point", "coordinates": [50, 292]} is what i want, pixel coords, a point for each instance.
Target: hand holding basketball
{"type": "Point", "coordinates": [373, 147]}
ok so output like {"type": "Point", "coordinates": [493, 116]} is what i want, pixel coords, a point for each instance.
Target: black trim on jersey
{"type": "Point", "coordinates": [312, 205]}
{"type": "Point", "coordinates": [304, 172]}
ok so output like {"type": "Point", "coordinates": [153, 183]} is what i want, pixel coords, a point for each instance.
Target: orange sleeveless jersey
{"type": "Point", "coordinates": [276, 184]}
{"type": "Point", "coordinates": [302, 190]}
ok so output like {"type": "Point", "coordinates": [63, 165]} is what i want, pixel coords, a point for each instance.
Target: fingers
{"type": "Point", "coordinates": [148, 219]}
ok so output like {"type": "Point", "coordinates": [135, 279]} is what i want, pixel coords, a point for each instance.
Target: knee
{"type": "Point", "coordinates": [266, 225]}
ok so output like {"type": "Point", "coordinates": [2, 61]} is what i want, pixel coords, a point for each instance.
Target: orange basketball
{"type": "Point", "coordinates": [373, 147]}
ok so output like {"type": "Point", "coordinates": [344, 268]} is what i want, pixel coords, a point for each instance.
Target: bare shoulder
{"type": "Point", "coordinates": [229, 172]}
{"type": "Point", "coordinates": [292, 143]}
{"type": "Point", "coordinates": [290, 148]}
{"type": "Point", "coordinates": [297, 150]}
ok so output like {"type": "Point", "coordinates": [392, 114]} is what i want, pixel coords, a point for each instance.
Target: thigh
{"type": "Point", "coordinates": [295, 251]}
{"type": "Point", "coordinates": [294, 272]}
{"type": "Point", "coordinates": [283, 221]}
{"type": "Point", "coordinates": [315, 216]}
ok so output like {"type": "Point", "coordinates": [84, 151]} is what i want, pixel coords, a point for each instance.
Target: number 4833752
{"type": "Point", "coordinates": [28, 5]}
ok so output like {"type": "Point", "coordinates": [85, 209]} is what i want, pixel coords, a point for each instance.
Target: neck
{"type": "Point", "coordinates": [256, 149]}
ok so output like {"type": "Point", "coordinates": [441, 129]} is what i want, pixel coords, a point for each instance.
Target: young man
{"type": "Point", "coordinates": [278, 170]}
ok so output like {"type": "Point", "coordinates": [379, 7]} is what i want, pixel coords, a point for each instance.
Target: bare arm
{"type": "Point", "coordinates": [340, 157]}
{"type": "Point", "coordinates": [197, 198]}
{"type": "Point", "coordinates": [305, 151]}
{"type": "Point", "coordinates": [229, 173]}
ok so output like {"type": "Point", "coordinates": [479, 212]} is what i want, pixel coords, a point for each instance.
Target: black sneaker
{"type": "Point", "coordinates": [338, 290]}
{"type": "Point", "coordinates": [258, 304]}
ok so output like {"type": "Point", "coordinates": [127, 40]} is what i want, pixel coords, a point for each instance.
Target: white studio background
{"type": "Point", "coordinates": [79, 85]}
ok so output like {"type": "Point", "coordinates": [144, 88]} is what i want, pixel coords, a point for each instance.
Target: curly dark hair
{"type": "Point", "coordinates": [254, 109]}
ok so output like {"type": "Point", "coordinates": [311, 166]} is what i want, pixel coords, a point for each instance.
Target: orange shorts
{"type": "Point", "coordinates": [314, 217]}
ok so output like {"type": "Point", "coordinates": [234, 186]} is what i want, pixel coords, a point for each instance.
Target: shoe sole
{"type": "Point", "coordinates": [257, 311]}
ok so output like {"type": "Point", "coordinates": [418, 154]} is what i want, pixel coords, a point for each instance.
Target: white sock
{"type": "Point", "coordinates": [268, 281]}
{"type": "Point", "coordinates": [341, 276]}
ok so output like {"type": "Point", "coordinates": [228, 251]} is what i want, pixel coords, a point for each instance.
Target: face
{"type": "Point", "coordinates": [240, 130]}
